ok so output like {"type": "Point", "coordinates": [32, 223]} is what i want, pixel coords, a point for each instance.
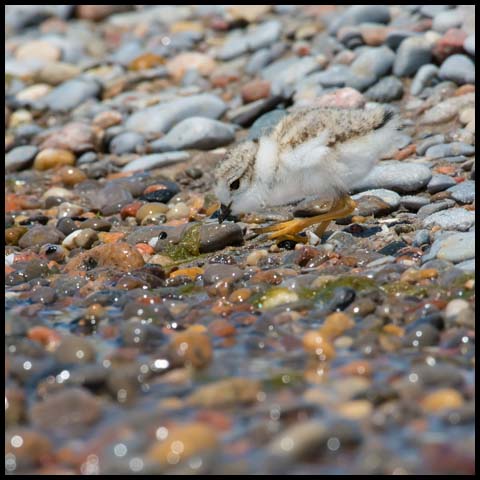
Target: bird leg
{"type": "Point", "coordinates": [289, 230]}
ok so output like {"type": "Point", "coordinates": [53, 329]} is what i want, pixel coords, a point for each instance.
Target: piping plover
{"type": "Point", "coordinates": [319, 152]}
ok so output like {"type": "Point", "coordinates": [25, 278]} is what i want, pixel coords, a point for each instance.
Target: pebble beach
{"type": "Point", "coordinates": [143, 337]}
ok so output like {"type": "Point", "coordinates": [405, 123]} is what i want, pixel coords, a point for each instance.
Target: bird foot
{"type": "Point", "coordinates": [289, 230]}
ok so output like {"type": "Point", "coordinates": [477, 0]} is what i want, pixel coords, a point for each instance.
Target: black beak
{"type": "Point", "coordinates": [224, 212]}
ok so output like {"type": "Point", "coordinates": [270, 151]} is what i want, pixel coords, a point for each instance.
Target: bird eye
{"type": "Point", "coordinates": [235, 185]}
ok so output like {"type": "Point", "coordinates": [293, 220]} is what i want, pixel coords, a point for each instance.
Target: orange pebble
{"type": "Point", "coordinates": [48, 337]}
{"type": "Point", "coordinates": [191, 272]}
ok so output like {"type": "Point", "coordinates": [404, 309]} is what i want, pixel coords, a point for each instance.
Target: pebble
{"type": "Point", "coordinates": [149, 162]}
{"type": "Point", "coordinates": [442, 399]}
{"type": "Point", "coordinates": [451, 219]}
{"type": "Point", "coordinates": [431, 140]}
{"type": "Point", "coordinates": [69, 409]}
{"type": "Point", "coordinates": [20, 158]}
{"type": "Point", "coordinates": [289, 71]}
{"type": "Point", "coordinates": [371, 64]}
{"type": "Point", "coordinates": [77, 137]}
{"type": "Point", "coordinates": [179, 64]}
{"type": "Point", "coordinates": [412, 53]}
{"type": "Point", "coordinates": [458, 68]}
{"type": "Point", "coordinates": [388, 196]}
{"type": "Point", "coordinates": [427, 210]}
{"type": "Point", "coordinates": [70, 94]}
{"type": "Point", "coordinates": [422, 237]}
{"type": "Point", "coordinates": [388, 89]}
{"type": "Point", "coordinates": [414, 202]}
{"type": "Point", "coordinates": [55, 73]}
{"type": "Point", "coordinates": [443, 21]}
{"type": "Point", "coordinates": [439, 183]}
{"type": "Point", "coordinates": [38, 49]}
{"type": "Point", "coordinates": [343, 98]}
{"type": "Point", "coordinates": [127, 142]}
{"type": "Point", "coordinates": [402, 177]}
{"type": "Point", "coordinates": [463, 192]}
{"type": "Point", "coordinates": [449, 150]}
{"type": "Point", "coordinates": [358, 14]}
{"type": "Point", "coordinates": [183, 442]}
{"type": "Point", "coordinates": [447, 109]}
{"type": "Point", "coordinates": [469, 44]}
{"type": "Point", "coordinates": [190, 348]}
{"type": "Point", "coordinates": [454, 248]}
{"type": "Point", "coordinates": [425, 77]}
{"type": "Point", "coordinates": [163, 117]}
{"type": "Point", "coordinates": [40, 235]}
{"type": "Point", "coordinates": [214, 237]}
{"type": "Point", "coordinates": [75, 350]}
{"type": "Point", "coordinates": [53, 157]}
{"type": "Point", "coordinates": [265, 123]}
{"type": "Point", "coordinates": [195, 132]}
{"type": "Point", "coordinates": [120, 256]}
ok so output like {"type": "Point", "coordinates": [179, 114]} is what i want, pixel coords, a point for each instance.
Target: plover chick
{"type": "Point", "coordinates": [319, 152]}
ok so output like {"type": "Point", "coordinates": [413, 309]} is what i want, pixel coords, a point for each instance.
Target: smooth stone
{"type": "Point", "coordinates": [386, 90]}
{"type": "Point", "coordinates": [97, 224]}
{"type": "Point", "coordinates": [412, 53]}
{"type": "Point", "coordinates": [427, 210]}
{"type": "Point", "coordinates": [451, 219]}
{"type": "Point", "coordinates": [247, 114]}
{"type": "Point", "coordinates": [395, 37]}
{"type": "Point", "coordinates": [402, 177]}
{"type": "Point", "coordinates": [449, 150]}
{"type": "Point", "coordinates": [126, 142]}
{"type": "Point", "coordinates": [110, 199]}
{"type": "Point", "coordinates": [214, 237]}
{"type": "Point", "coordinates": [55, 73]}
{"type": "Point", "coordinates": [424, 77]}
{"type": "Point", "coordinates": [263, 57]}
{"type": "Point", "coordinates": [71, 94]}
{"type": "Point", "coordinates": [467, 265]}
{"type": "Point", "coordinates": [448, 109]}
{"type": "Point", "coordinates": [40, 235]}
{"type": "Point", "coordinates": [358, 14]}
{"type": "Point", "coordinates": [422, 237]}
{"type": "Point", "coordinates": [20, 158]}
{"type": "Point", "coordinates": [334, 76]}
{"type": "Point", "coordinates": [388, 196]}
{"type": "Point", "coordinates": [195, 132]}
{"type": "Point", "coordinates": [432, 10]}
{"type": "Point", "coordinates": [423, 336]}
{"type": "Point", "coordinates": [458, 68]}
{"type": "Point", "coordinates": [264, 124]}
{"type": "Point", "coordinates": [67, 409]}
{"type": "Point", "coordinates": [455, 248]}
{"type": "Point", "coordinates": [413, 202]}
{"type": "Point", "coordinates": [156, 160]}
{"type": "Point", "coordinates": [161, 118]}
{"type": "Point", "coordinates": [423, 146]}
{"type": "Point", "coordinates": [53, 157]}
{"type": "Point", "coordinates": [371, 64]}
{"type": "Point", "coordinates": [463, 192]}
{"type": "Point", "coordinates": [443, 21]}
{"type": "Point", "coordinates": [439, 183]}
{"type": "Point", "coordinates": [469, 44]}
{"type": "Point", "coordinates": [288, 71]}
{"type": "Point", "coordinates": [75, 350]}
{"type": "Point", "coordinates": [217, 271]}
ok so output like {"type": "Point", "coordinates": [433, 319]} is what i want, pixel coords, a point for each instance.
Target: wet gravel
{"type": "Point", "coordinates": [142, 337]}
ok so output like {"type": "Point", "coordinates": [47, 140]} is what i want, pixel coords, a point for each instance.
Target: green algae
{"type": "Point", "coordinates": [187, 248]}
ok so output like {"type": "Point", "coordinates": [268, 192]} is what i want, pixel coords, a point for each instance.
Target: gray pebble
{"type": "Point", "coordinates": [402, 177]}
{"type": "Point", "coordinates": [214, 237]}
{"type": "Point", "coordinates": [458, 68]}
{"type": "Point", "coordinates": [424, 77]}
{"type": "Point", "coordinates": [434, 207]}
{"type": "Point", "coordinates": [448, 109]}
{"type": "Point", "coordinates": [357, 14]}
{"type": "Point", "coordinates": [126, 142]}
{"type": "Point", "coordinates": [423, 146]}
{"type": "Point", "coordinates": [195, 132]}
{"type": "Point", "coordinates": [463, 192]}
{"type": "Point", "coordinates": [386, 90]}
{"type": "Point", "coordinates": [439, 183]}
{"type": "Point", "coordinates": [450, 149]}
{"type": "Point", "coordinates": [216, 271]}
{"type": "Point", "coordinates": [265, 123]}
{"type": "Point", "coordinates": [455, 248]}
{"type": "Point", "coordinates": [110, 199]}
{"type": "Point", "coordinates": [370, 65]}
{"type": "Point", "coordinates": [20, 158]}
{"type": "Point", "coordinates": [40, 235]}
{"type": "Point", "coordinates": [414, 202]}
{"type": "Point", "coordinates": [147, 162]}
{"type": "Point", "coordinates": [288, 71]}
{"type": "Point", "coordinates": [422, 237]}
{"type": "Point", "coordinates": [467, 265]}
{"type": "Point", "coordinates": [432, 10]}
{"type": "Point", "coordinates": [445, 20]}
{"type": "Point", "coordinates": [388, 196]}
{"type": "Point", "coordinates": [161, 118]}
{"type": "Point", "coordinates": [452, 219]}
{"type": "Point", "coordinates": [412, 53]}
{"type": "Point", "coordinates": [469, 44]}
{"type": "Point", "coordinates": [71, 94]}
{"type": "Point", "coordinates": [396, 37]}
